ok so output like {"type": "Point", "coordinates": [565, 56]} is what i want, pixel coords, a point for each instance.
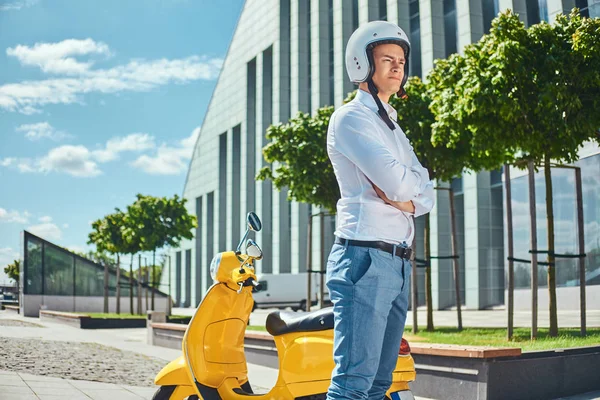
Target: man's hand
{"type": "Point", "coordinates": [406, 206]}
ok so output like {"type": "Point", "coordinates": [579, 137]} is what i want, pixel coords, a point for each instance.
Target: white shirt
{"type": "Point", "coordinates": [362, 147]}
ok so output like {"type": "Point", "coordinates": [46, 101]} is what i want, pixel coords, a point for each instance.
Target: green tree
{"type": "Point", "coordinates": [108, 236]}
{"type": "Point", "coordinates": [12, 270]}
{"type": "Point", "coordinates": [524, 95]}
{"type": "Point", "coordinates": [298, 153]}
{"type": "Point", "coordinates": [443, 163]}
{"type": "Point", "coordinates": [158, 222]}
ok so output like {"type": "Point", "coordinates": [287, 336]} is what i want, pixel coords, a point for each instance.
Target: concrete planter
{"type": "Point", "coordinates": [502, 375]}
{"type": "Point", "coordinates": [87, 322]}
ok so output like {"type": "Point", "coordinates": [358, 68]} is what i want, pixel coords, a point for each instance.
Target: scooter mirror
{"type": "Point", "coordinates": [252, 250]}
{"type": "Point", "coordinates": [254, 223]}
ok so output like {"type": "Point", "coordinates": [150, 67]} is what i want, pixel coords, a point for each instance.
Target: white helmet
{"type": "Point", "coordinates": [359, 49]}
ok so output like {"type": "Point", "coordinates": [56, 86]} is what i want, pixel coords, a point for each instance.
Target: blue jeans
{"type": "Point", "coordinates": [369, 291]}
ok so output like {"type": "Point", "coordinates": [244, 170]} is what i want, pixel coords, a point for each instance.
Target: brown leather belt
{"type": "Point", "coordinates": [402, 252]}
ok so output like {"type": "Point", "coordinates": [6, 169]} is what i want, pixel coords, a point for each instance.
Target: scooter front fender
{"type": "Point", "coordinates": [173, 374]}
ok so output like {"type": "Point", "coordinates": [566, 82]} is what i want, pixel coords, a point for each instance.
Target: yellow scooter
{"type": "Point", "coordinates": [213, 364]}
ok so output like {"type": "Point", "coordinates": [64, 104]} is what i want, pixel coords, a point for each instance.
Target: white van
{"type": "Point", "coordinates": [286, 290]}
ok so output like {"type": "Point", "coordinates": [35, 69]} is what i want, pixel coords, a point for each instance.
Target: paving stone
{"type": "Point", "coordinates": [33, 358]}
{"type": "Point", "coordinates": [11, 380]}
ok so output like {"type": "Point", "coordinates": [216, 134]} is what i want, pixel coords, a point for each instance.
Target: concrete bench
{"type": "Point", "coordinates": [11, 309]}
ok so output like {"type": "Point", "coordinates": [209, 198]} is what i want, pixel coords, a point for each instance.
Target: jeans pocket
{"type": "Point", "coordinates": [360, 263]}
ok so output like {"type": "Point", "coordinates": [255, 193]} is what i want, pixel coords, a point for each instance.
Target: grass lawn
{"type": "Point", "coordinates": [114, 315]}
{"type": "Point", "coordinates": [494, 337]}
{"type": "Point", "coordinates": [256, 328]}
{"type": "Point", "coordinates": [567, 337]}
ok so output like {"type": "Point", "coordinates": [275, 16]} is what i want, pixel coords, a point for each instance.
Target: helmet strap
{"type": "Point", "coordinates": [380, 109]}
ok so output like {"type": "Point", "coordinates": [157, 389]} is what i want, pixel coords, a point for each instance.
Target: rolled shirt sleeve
{"type": "Point", "coordinates": [354, 139]}
{"type": "Point", "coordinates": [425, 201]}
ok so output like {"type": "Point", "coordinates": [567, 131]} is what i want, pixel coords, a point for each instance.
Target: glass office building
{"type": "Point", "coordinates": [287, 56]}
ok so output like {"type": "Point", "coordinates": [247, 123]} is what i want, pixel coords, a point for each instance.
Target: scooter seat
{"type": "Point", "coordinates": [281, 322]}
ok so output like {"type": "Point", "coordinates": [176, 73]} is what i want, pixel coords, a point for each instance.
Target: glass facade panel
{"type": "Point", "coordinates": [590, 177]}
{"type": "Point", "coordinates": [450, 26]}
{"type": "Point", "coordinates": [89, 279]}
{"type": "Point", "coordinates": [583, 7]}
{"type": "Point", "coordinates": [415, 38]}
{"type": "Point", "coordinates": [53, 271]}
{"type": "Point", "coordinates": [565, 224]}
{"type": "Point", "coordinates": [33, 270]}
{"type": "Point", "coordinates": [58, 272]}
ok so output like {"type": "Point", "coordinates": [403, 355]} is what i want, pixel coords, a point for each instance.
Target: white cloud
{"type": "Point", "coordinates": [58, 58]}
{"type": "Point", "coordinates": [14, 216]}
{"type": "Point", "coordinates": [45, 219]}
{"type": "Point", "coordinates": [46, 230]}
{"type": "Point", "coordinates": [137, 75]}
{"type": "Point", "coordinates": [73, 160]}
{"type": "Point", "coordinates": [7, 162]}
{"type": "Point", "coordinates": [132, 142]}
{"type": "Point", "coordinates": [169, 160]}
{"type": "Point", "coordinates": [41, 130]}
{"type": "Point", "coordinates": [17, 5]}
{"type": "Point", "coordinates": [65, 226]}
{"type": "Point", "coordinates": [78, 160]}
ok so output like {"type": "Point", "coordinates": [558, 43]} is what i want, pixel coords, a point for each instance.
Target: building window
{"type": "Point", "coordinates": [188, 278]}
{"type": "Point", "coordinates": [210, 237]}
{"type": "Point", "coordinates": [383, 10]}
{"type": "Point", "coordinates": [450, 26]}
{"type": "Point", "coordinates": [178, 278]}
{"type": "Point", "coordinates": [583, 7]}
{"type": "Point", "coordinates": [490, 9]}
{"type": "Point", "coordinates": [222, 191]}
{"type": "Point", "coordinates": [415, 38]}
{"type": "Point", "coordinates": [537, 11]}
{"type": "Point", "coordinates": [354, 14]}
{"type": "Point", "coordinates": [331, 57]}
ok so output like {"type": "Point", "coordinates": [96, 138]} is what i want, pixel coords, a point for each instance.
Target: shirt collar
{"type": "Point", "coordinates": [367, 99]}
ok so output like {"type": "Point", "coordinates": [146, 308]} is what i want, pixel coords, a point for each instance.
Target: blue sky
{"type": "Point", "coordinates": [100, 100]}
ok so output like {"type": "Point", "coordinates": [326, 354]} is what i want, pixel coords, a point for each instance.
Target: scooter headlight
{"type": "Point", "coordinates": [214, 266]}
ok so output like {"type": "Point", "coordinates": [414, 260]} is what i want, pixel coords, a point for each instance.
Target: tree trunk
{"type": "Point", "coordinates": [309, 264]}
{"type": "Point", "coordinates": [414, 286]}
{"type": "Point", "coordinates": [105, 288]}
{"type": "Point", "coordinates": [455, 259]}
{"type": "Point", "coordinates": [510, 245]}
{"type": "Point", "coordinates": [131, 285]}
{"type": "Point", "coordinates": [147, 281]}
{"type": "Point", "coordinates": [551, 259]}
{"type": "Point", "coordinates": [581, 243]}
{"type": "Point", "coordinates": [139, 292]}
{"type": "Point", "coordinates": [428, 297]}
{"type": "Point", "coordinates": [118, 288]}
{"type": "Point", "coordinates": [534, 265]}
{"type": "Point", "coordinates": [153, 277]}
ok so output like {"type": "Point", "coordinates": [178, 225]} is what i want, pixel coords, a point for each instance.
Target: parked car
{"type": "Point", "coordinates": [287, 291]}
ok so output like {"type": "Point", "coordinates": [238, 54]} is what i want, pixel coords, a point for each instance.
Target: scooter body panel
{"type": "Point", "coordinates": [213, 344]}
{"type": "Point", "coordinates": [301, 356]}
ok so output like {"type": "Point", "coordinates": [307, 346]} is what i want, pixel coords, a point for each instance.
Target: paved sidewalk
{"type": "Point", "coordinates": [22, 386]}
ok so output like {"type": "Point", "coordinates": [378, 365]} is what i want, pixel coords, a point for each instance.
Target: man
{"type": "Point", "coordinates": [383, 187]}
